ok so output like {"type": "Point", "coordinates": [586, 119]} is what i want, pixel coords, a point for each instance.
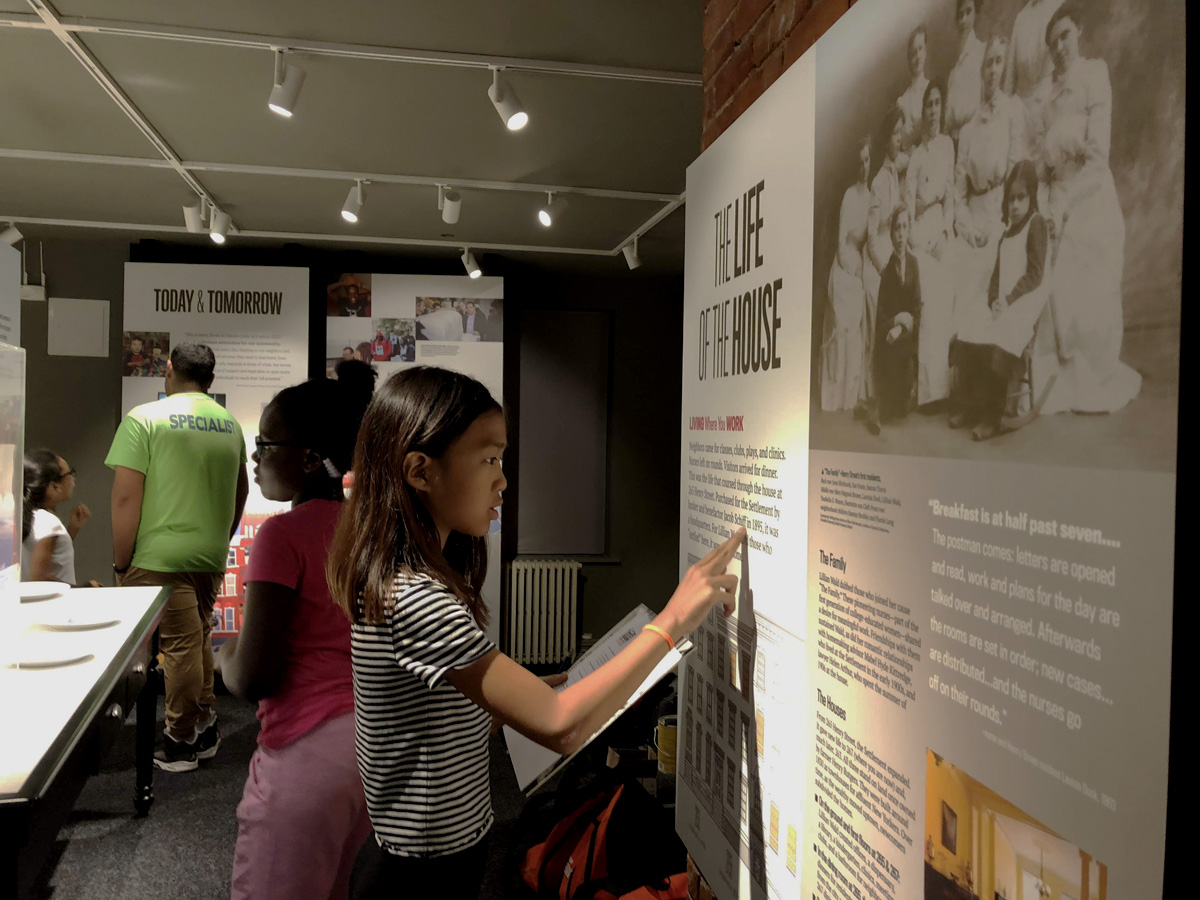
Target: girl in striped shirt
{"type": "Point", "coordinates": [406, 566]}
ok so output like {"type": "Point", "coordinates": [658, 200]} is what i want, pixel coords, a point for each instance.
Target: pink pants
{"type": "Point", "coordinates": [302, 819]}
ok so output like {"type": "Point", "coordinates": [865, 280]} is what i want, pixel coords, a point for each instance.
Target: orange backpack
{"type": "Point", "coordinates": [617, 844]}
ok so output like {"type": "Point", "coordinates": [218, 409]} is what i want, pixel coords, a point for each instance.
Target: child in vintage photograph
{"type": "Point", "coordinates": [990, 353]}
{"type": "Point", "coordinates": [896, 326]}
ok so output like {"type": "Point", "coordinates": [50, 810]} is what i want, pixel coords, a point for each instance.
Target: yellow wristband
{"type": "Point", "coordinates": [661, 631]}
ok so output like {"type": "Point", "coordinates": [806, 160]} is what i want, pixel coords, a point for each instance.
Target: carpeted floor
{"type": "Point", "coordinates": [184, 849]}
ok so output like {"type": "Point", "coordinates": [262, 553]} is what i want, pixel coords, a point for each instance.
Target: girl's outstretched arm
{"type": "Point", "coordinates": [563, 721]}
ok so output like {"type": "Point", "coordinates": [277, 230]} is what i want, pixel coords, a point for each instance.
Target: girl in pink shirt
{"type": "Point", "coordinates": [303, 814]}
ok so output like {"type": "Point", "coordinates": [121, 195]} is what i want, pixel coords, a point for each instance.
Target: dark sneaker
{"type": "Point", "coordinates": [209, 742]}
{"type": "Point", "coordinates": [175, 756]}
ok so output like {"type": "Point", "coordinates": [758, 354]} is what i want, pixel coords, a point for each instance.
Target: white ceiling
{"type": "Point", "coordinates": [611, 86]}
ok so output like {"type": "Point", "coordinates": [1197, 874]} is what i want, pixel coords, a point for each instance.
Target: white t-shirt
{"type": "Point", "coordinates": [62, 559]}
{"type": "Point", "coordinates": [442, 325]}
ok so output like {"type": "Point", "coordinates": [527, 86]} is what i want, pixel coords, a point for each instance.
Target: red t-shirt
{"type": "Point", "coordinates": [290, 549]}
{"type": "Point", "coordinates": [381, 351]}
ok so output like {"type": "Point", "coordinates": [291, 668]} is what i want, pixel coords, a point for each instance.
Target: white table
{"type": "Point", "coordinates": [57, 722]}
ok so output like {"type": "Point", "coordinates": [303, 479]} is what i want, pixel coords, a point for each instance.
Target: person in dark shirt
{"type": "Point", "coordinates": [896, 327]}
{"type": "Point", "coordinates": [352, 302]}
{"type": "Point", "coordinates": [475, 321]}
{"type": "Point", "coordinates": [349, 297]}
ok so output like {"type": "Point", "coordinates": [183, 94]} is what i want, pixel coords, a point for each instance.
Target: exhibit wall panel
{"type": "Point", "coordinates": [747, 708]}
{"type": "Point", "coordinates": [981, 600]}
{"type": "Point", "coordinates": [255, 319]}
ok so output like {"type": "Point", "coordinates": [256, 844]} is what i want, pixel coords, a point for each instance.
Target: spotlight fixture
{"type": "Point", "coordinates": [450, 203]}
{"type": "Point", "coordinates": [631, 254]}
{"type": "Point", "coordinates": [507, 104]}
{"type": "Point", "coordinates": [354, 202]}
{"type": "Point", "coordinates": [554, 208]}
{"type": "Point", "coordinates": [11, 235]}
{"type": "Point", "coordinates": [193, 216]}
{"type": "Point", "coordinates": [218, 226]}
{"type": "Point", "coordinates": [468, 261]}
{"type": "Point", "coordinates": [286, 89]}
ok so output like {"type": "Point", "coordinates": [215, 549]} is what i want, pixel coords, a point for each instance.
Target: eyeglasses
{"type": "Point", "coordinates": [259, 443]}
{"type": "Point", "coordinates": [65, 475]}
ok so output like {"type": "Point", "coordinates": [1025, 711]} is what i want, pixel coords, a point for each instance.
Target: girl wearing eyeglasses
{"type": "Point", "coordinates": [47, 546]}
{"type": "Point", "coordinates": [303, 815]}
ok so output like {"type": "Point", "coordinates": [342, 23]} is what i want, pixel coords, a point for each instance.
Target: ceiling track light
{"type": "Point", "coordinates": [194, 214]}
{"type": "Point", "coordinates": [286, 88]}
{"type": "Point", "coordinates": [468, 261]}
{"type": "Point", "coordinates": [631, 254]}
{"type": "Point", "coordinates": [354, 202]}
{"type": "Point", "coordinates": [553, 210]}
{"type": "Point", "coordinates": [507, 104]}
{"type": "Point", "coordinates": [219, 225]}
{"type": "Point", "coordinates": [450, 203]}
{"type": "Point", "coordinates": [11, 235]}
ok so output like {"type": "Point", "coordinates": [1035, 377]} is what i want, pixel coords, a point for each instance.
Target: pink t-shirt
{"type": "Point", "coordinates": [290, 549]}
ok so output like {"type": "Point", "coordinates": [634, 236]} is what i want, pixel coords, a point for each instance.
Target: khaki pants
{"type": "Point", "coordinates": [185, 641]}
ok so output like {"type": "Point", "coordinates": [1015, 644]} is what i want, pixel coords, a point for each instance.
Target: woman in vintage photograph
{"type": "Point", "coordinates": [1028, 59]}
{"type": "Point", "coordinates": [842, 346]}
{"type": "Point", "coordinates": [988, 147]}
{"type": "Point", "coordinates": [962, 85]}
{"type": "Point", "coordinates": [887, 195]}
{"type": "Point", "coordinates": [910, 102]}
{"type": "Point", "coordinates": [1089, 226]}
{"type": "Point", "coordinates": [929, 195]}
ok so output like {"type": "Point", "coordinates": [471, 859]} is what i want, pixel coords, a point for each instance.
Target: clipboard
{"type": "Point", "coordinates": [534, 764]}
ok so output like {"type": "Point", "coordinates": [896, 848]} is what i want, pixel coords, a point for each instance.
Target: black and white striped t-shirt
{"type": "Point", "coordinates": [422, 746]}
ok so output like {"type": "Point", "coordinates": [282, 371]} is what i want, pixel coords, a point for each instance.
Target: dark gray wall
{"type": "Point", "coordinates": [644, 417]}
{"type": "Point", "coordinates": [566, 357]}
{"type": "Point", "coordinates": [73, 403]}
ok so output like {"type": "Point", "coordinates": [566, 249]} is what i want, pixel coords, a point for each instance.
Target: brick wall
{"type": "Point", "coordinates": [748, 44]}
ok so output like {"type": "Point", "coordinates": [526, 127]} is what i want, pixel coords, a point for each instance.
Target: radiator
{"type": "Point", "coordinates": [543, 596]}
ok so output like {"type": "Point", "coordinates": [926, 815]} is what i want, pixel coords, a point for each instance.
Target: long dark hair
{"type": "Point", "coordinates": [325, 415]}
{"type": "Point", "coordinates": [42, 469]}
{"type": "Point", "coordinates": [384, 526]}
{"type": "Point", "coordinates": [1024, 172]}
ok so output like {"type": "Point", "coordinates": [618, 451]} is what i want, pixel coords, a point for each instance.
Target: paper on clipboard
{"type": "Point", "coordinates": [535, 764]}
